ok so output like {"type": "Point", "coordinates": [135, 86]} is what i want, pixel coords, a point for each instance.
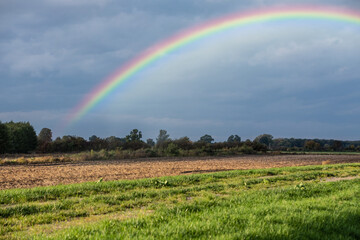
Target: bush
{"type": "Point", "coordinates": [140, 153]}
{"type": "Point", "coordinates": [259, 147]}
{"type": "Point", "coordinates": [135, 145]}
{"type": "Point", "coordinates": [151, 153]}
{"type": "Point", "coordinates": [172, 150]}
{"type": "Point", "coordinates": [246, 149]}
{"type": "Point", "coordinates": [183, 143]}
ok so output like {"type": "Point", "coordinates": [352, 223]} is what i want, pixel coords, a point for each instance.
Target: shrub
{"type": "Point", "coordinates": [151, 153]}
{"type": "Point", "coordinates": [140, 153]}
{"type": "Point", "coordinates": [172, 150]}
{"type": "Point", "coordinates": [246, 149]}
{"type": "Point", "coordinates": [183, 143]}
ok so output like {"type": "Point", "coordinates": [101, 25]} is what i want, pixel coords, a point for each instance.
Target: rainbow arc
{"type": "Point", "coordinates": [188, 36]}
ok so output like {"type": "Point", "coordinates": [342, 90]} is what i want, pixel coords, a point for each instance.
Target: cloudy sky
{"type": "Point", "coordinates": [290, 78]}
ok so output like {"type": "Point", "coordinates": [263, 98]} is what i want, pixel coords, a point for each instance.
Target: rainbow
{"type": "Point", "coordinates": [188, 36]}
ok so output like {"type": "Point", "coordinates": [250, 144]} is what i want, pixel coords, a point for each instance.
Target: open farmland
{"type": "Point", "coordinates": [308, 202]}
{"type": "Point", "coordinates": [32, 175]}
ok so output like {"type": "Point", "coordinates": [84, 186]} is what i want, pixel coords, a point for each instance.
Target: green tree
{"type": "Point", "coordinates": [234, 139]}
{"type": "Point", "coordinates": [311, 145]}
{"type": "Point", "coordinates": [45, 135]}
{"type": "Point", "coordinates": [337, 145]}
{"type": "Point", "coordinates": [184, 143]}
{"type": "Point", "coordinates": [22, 137]}
{"type": "Point", "coordinates": [4, 138]}
{"type": "Point", "coordinates": [115, 142]}
{"type": "Point", "coordinates": [150, 142]}
{"type": "Point", "coordinates": [96, 143]}
{"type": "Point", "coordinates": [44, 140]}
{"type": "Point", "coordinates": [133, 140]}
{"type": "Point", "coordinates": [70, 143]}
{"type": "Point", "coordinates": [94, 138]}
{"type": "Point", "coordinates": [162, 138]}
{"type": "Point", "coordinates": [134, 136]}
{"type": "Point", "coordinates": [206, 139]}
{"type": "Point", "coordinates": [172, 149]}
{"type": "Point", "coordinates": [265, 139]}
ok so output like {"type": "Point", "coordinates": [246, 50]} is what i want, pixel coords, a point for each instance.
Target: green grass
{"type": "Point", "coordinates": [278, 203]}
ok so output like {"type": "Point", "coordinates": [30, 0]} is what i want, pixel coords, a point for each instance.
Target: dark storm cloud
{"type": "Point", "coordinates": [53, 52]}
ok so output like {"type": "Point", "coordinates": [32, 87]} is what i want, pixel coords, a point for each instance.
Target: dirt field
{"type": "Point", "coordinates": [27, 176]}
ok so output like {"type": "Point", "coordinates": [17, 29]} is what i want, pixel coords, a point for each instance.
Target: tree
{"type": "Point", "coordinates": [150, 142]}
{"type": "Point", "coordinates": [259, 147]}
{"type": "Point", "coordinates": [44, 140]}
{"type": "Point", "coordinates": [4, 138]}
{"type": "Point", "coordinates": [172, 149]}
{"type": "Point", "coordinates": [96, 143]}
{"type": "Point", "coordinates": [312, 145]}
{"type": "Point", "coordinates": [234, 139]}
{"type": "Point", "coordinates": [265, 139]}
{"type": "Point", "coordinates": [162, 138]}
{"type": "Point", "coordinates": [337, 145]}
{"type": "Point", "coordinates": [206, 139]}
{"type": "Point", "coordinates": [183, 143]}
{"type": "Point", "coordinates": [134, 136]}
{"type": "Point", "coordinates": [115, 142]}
{"type": "Point", "coordinates": [45, 135]}
{"type": "Point", "coordinates": [326, 147]}
{"type": "Point", "coordinates": [22, 137]}
{"type": "Point", "coordinates": [70, 143]}
{"type": "Point", "coordinates": [133, 140]}
{"type": "Point", "coordinates": [94, 138]}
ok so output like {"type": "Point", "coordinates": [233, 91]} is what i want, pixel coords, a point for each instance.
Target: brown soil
{"type": "Point", "coordinates": [27, 176]}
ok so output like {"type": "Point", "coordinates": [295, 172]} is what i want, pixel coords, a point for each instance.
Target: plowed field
{"type": "Point", "coordinates": [28, 176]}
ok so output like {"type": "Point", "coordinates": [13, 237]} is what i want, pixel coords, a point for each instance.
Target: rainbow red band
{"type": "Point", "coordinates": [190, 35]}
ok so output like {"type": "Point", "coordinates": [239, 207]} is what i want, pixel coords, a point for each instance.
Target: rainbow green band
{"type": "Point", "coordinates": [177, 41]}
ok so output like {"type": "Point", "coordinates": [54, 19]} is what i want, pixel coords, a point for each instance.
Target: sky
{"type": "Point", "coordinates": [289, 79]}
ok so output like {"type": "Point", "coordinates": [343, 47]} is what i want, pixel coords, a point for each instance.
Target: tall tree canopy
{"type": "Point", "coordinates": [44, 140]}
{"type": "Point", "coordinates": [45, 135]}
{"type": "Point", "coordinates": [134, 136]}
{"type": "Point", "coordinates": [234, 139]}
{"type": "Point", "coordinates": [150, 142]}
{"type": "Point", "coordinates": [206, 139]}
{"type": "Point", "coordinates": [162, 138]}
{"type": "Point", "coordinates": [22, 137]}
{"type": "Point", "coordinates": [265, 139]}
{"type": "Point", "coordinates": [4, 138]}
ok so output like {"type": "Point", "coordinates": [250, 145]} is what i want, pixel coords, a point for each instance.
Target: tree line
{"type": "Point", "coordinates": [298, 144]}
{"type": "Point", "coordinates": [20, 137]}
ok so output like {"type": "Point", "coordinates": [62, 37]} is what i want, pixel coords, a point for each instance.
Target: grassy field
{"type": "Point", "coordinates": [280, 203]}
